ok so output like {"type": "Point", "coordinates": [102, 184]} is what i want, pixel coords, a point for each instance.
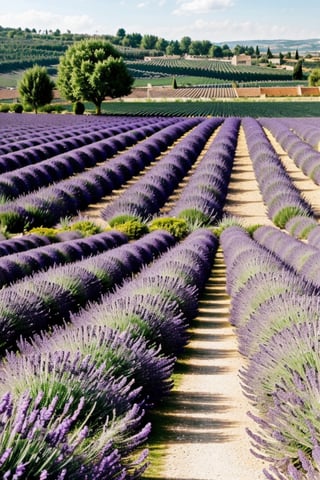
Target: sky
{"type": "Point", "coordinates": [214, 20]}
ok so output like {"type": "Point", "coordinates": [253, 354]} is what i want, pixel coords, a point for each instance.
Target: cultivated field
{"type": "Point", "coordinates": [159, 277]}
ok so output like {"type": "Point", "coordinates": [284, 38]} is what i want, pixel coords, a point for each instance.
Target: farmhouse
{"type": "Point", "coordinates": [241, 59]}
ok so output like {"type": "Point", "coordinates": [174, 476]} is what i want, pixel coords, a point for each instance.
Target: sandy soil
{"type": "Point", "coordinates": [203, 423]}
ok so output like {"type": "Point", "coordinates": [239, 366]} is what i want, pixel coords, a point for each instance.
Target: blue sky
{"type": "Point", "coordinates": [214, 20]}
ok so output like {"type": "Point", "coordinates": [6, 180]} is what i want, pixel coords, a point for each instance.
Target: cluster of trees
{"type": "Point", "coordinates": [90, 70]}
{"type": "Point", "coordinates": [125, 41]}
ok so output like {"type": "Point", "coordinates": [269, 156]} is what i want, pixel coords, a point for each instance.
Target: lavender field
{"type": "Point", "coordinates": [110, 226]}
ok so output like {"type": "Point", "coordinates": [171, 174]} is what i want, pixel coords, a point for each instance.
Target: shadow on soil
{"type": "Point", "coordinates": [195, 417]}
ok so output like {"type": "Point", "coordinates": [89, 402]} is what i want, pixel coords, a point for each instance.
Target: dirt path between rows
{"type": "Point", "coordinates": [200, 432]}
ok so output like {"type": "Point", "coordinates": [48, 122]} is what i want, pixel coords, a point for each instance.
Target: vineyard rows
{"type": "Point", "coordinates": [210, 68]}
{"type": "Point", "coordinates": [96, 309]}
{"type": "Point", "coordinates": [223, 108]}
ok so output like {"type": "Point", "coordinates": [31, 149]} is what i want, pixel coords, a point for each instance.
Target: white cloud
{"type": "Point", "coordinates": [44, 20]}
{"type": "Point", "coordinates": [230, 30]}
{"type": "Point", "coordinates": [200, 6]}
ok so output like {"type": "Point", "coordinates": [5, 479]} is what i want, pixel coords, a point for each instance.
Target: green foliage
{"type": "Point", "coordinates": [85, 227]}
{"type": "Point", "coordinates": [194, 218]}
{"type": "Point", "coordinates": [178, 227]}
{"type": "Point", "coordinates": [252, 228]}
{"type": "Point", "coordinates": [51, 108]}
{"type": "Point", "coordinates": [314, 78]}
{"type": "Point", "coordinates": [118, 220]}
{"type": "Point", "coordinates": [285, 214]}
{"type": "Point", "coordinates": [4, 107]}
{"type": "Point", "coordinates": [174, 83]}
{"type": "Point", "coordinates": [45, 231]}
{"type": "Point", "coordinates": [12, 221]}
{"type": "Point", "coordinates": [91, 70]}
{"type": "Point", "coordinates": [134, 229]}
{"type": "Point", "coordinates": [16, 108]}
{"type": "Point", "coordinates": [36, 87]}
{"type": "Point", "coordinates": [297, 71]}
{"type": "Point", "coordinates": [78, 108]}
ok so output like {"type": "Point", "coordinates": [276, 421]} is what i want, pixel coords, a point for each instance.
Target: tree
{"type": "Point", "coordinates": [161, 44]}
{"type": "Point", "coordinates": [296, 56]}
{"type": "Point", "coordinates": [121, 33]}
{"type": "Point", "coordinates": [36, 88]}
{"type": "Point", "coordinates": [196, 47]}
{"type": "Point", "coordinates": [185, 43]}
{"type": "Point", "coordinates": [132, 40]}
{"type": "Point", "coordinates": [297, 71]}
{"type": "Point", "coordinates": [205, 47]}
{"type": "Point", "coordinates": [216, 51]}
{"type": "Point", "coordinates": [314, 78]}
{"type": "Point", "coordinates": [257, 52]}
{"type": "Point", "coordinates": [269, 54]}
{"type": "Point", "coordinates": [91, 70]}
{"type": "Point", "coordinates": [173, 48]}
{"type": "Point", "coordinates": [148, 42]}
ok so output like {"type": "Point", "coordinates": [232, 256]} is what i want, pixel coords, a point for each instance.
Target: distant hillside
{"type": "Point", "coordinates": [311, 45]}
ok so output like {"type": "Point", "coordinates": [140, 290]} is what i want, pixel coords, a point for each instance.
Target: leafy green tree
{"type": "Point", "coordinates": [185, 43]}
{"type": "Point", "coordinates": [257, 52]}
{"type": "Point", "coordinates": [238, 49]}
{"type": "Point", "coordinates": [314, 78]}
{"type": "Point", "coordinates": [205, 46]}
{"type": "Point", "coordinates": [297, 71]}
{"type": "Point", "coordinates": [269, 53]}
{"type": "Point", "coordinates": [148, 42]}
{"type": "Point", "coordinates": [196, 47]}
{"type": "Point", "coordinates": [91, 70]}
{"type": "Point", "coordinates": [132, 40]}
{"type": "Point", "coordinates": [296, 56]}
{"type": "Point", "coordinates": [36, 88]}
{"type": "Point", "coordinates": [173, 48]}
{"type": "Point", "coordinates": [121, 33]}
{"type": "Point", "coordinates": [161, 44]}
{"type": "Point", "coordinates": [216, 51]}
{"type": "Point", "coordinates": [226, 50]}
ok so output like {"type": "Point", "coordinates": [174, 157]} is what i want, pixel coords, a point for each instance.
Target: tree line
{"type": "Point", "coordinates": [131, 45]}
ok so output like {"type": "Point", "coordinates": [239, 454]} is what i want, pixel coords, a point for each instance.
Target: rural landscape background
{"type": "Point", "coordinates": [159, 249]}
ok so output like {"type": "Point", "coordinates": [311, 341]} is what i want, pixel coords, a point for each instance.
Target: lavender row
{"type": "Point", "coordinates": [31, 305]}
{"type": "Point", "coordinates": [162, 300]}
{"type": "Point", "coordinates": [303, 154]}
{"type": "Point", "coordinates": [282, 198]}
{"type": "Point", "coordinates": [100, 362]}
{"type": "Point", "coordinates": [204, 195]}
{"type": "Point", "coordinates": [149, 193]}
{"type": "Point", "coordinates": [303, 258]}
{"type": "Point", "coordinates": [23, 264]}
{"type": "Point", "coordinates": [308, 129]}
{"type": "Point", "coordinates": [52, 167]}
{"type": "Point", "coordinates": [276, 314]}
{"type": "Point", "coordinates": [23, 243]}
{"type": "Point", "coordinates": [15, 129]}
{"type": "Point", "coordinates": [46, 206]}
{"type": "Point", "coordinates": [27, 149]}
